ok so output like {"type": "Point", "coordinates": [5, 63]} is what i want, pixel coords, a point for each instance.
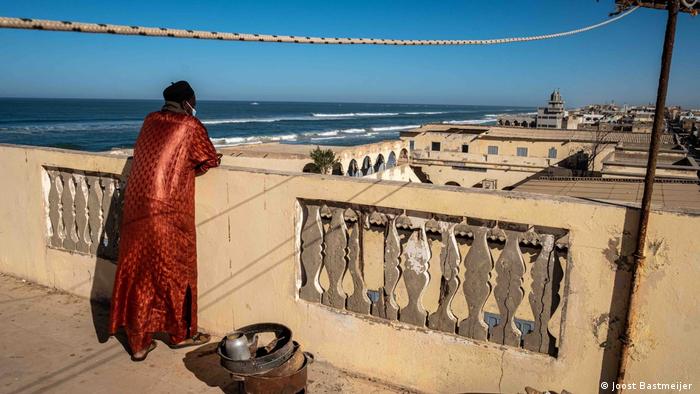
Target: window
{"type": "Point", "coordinates": [522, 152]}
{"type": "Point", "coordinates": [552, 153]}
{"type": "Point", "coordinates": [465, 148]}
{"type": "Point", "coordinates": [492, 150]}
{"type": "Point", "coordinates": [412, 145]}
{"type": "Point", "coordinates": [435, 146]}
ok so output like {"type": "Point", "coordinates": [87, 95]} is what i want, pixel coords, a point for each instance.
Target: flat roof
{"type": "Point", "coordinates": [486, 132]}
{"type": "Point", "coordinates": [274, 150]}
{"type": "Point", "coordinates": [668, 195]}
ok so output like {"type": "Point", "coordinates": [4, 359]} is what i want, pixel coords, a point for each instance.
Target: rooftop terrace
{"type": "Point", "coordinates": [58, 346]}
{"type": "Point", "coordinates": [436, 288]}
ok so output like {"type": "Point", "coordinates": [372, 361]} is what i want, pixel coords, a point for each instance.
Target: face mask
{"type": "Point", "coordinates": [194, 111]}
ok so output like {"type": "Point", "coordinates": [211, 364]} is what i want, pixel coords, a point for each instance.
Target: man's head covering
{"type": "Point", "coordinates": [178, 92]}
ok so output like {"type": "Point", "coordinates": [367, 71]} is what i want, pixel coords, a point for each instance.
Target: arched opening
{"type": "Point", "coordinates": [352, 169]}
{"type": "Point", "coordinates": [391, 162]}
{"type": "Point", "coordinates": [366, 166]}
{"type": "Point", "coordinates": [516, 123]}
{"type": "Point", "coordinates": [532, 124]}
{"type": "Point", "coordinates": [403, 156]}
{"type": "Point", "coordinates": [452, 183]}
{"type": "Point", "coordinates": [524, 124]}
{"type": "Point", "coordinates": [500, 122]}
{"type": "Point", "coordinates": [311, 167]}
{"type": "Point", "coordinates": [379, 165]}
{"type": "Point", "coordinates": [337, 169]}
{"type": "Point", "coordinates": [507, 123]}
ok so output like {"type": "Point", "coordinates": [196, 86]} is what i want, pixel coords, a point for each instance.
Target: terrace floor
{"type": "Point", "coordinates": [55, 342]}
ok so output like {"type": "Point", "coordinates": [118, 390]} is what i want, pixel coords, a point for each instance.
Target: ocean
{"type": "Point", "coordinates": [99, 125]}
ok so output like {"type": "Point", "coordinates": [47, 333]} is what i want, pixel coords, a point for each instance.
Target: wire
{"type": "Point", "coordinates": [101, 28]}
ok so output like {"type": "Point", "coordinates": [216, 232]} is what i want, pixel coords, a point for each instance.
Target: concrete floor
{"type": "Point", "coordinates": [55, 342]}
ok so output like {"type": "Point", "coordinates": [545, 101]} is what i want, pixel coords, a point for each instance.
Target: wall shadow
{"type": "Point", "coordinates": [203, 362]}
{"type": "Point", "coordinates": [105, 269]}
{"type": "Point", "coordinates": [619, 256]}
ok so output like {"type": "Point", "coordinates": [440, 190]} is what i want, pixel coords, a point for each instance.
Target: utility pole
{"type": "Point", "coordinates": [673, 7]}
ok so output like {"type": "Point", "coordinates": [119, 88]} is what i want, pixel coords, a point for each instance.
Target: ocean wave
{"type": "Point", "coordinates": [253, 120]}
{"type": "Point", "coordinates": [354, 114]}
{"type": "Point", "coordinates": [134, 125]}
{"type": "Point", "coordinates": [337, 137]}
{"type": "Point", "coordinates": [254, 139]}
{"type": "Point", "coordinates": [353, 131]}
{"type": "Point", "coordinates": [468, 121]}
{"type": "Point", "coordinates": [394, 128]}
{"type": "Point", "coordinates": [322, 135]}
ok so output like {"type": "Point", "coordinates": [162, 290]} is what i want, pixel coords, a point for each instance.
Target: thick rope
{"type": "Point", "coordinates": [101, 28]}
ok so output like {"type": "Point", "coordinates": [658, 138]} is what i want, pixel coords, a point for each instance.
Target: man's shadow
{"type": "Point", "coordinates": [106, 262]}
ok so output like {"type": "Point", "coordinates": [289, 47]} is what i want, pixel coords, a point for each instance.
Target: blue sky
{"type": "Point", "coordinates": [618, 62]}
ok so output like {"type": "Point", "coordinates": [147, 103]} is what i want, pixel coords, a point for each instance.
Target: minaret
{"type": "Point", "coordinates": [556, 104]}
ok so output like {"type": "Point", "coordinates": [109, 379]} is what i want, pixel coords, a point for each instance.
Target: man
{"type": "Point", "coordinates": [155, 288]}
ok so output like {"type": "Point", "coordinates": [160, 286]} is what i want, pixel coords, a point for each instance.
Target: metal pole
{"type": "Point", "coordinates": [658, 128]}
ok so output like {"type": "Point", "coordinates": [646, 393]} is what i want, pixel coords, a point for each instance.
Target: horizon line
{"type": "Point", "coordinates": [612, 102]}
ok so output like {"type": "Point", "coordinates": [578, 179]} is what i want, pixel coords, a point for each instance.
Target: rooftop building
{"type": "Point", "coordinates": [552, 116]}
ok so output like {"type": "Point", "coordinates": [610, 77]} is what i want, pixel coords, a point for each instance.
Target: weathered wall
{"type": "Point", "coordinates": [247, 224]}
{"type": "Point", "coordinates": [469, 177]}
{"type": "Point", "coordinates": [402, 173]}
{"type": "Point", "coordinates": [666, 348]}
{"type": "Point", "coordinates": [479, 145]}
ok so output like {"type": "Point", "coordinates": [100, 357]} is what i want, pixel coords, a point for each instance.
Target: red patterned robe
{"type": "Point", "coordinates": [157, 247]}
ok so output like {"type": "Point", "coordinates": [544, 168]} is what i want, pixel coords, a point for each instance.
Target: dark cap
{"type": "Point", "coordinates": [178, 92]}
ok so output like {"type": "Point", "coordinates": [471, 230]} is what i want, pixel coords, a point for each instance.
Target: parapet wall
{"type": "Point", "coordinates": [254, 251]}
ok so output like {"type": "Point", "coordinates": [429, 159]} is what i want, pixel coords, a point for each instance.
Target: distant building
{"type": "Point", "coordinates": [552, 116]}
{"type": "Point", "coordinates": [501, 157]}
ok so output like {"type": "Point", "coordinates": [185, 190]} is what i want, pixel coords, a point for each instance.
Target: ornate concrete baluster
{"type": "Point", "coordinates": [542, 300]}
{"type": "Point", "coordinates": [388, 307]}
{"type": "Point", "coordinates": [509, 291]}
{"type": "Point", "coordinates": [478, 264]}
{"type": "Point", "coordinates": [358, 301]}
{"type": "Point", "coordinates": [81, 213]}
{"type": "Point", "coordinates": [335, 260]}
{"type": "Point", "coordinates": [55, 208]}
{"type": "Point", "coordinates": [108, 187]}
{"type": "Point", "coordinates": [67, 200]}
{"type": "Point", "coordinates": [415, 273]}
{"type": "Point", "coordinates": [443, 319]}
{"type": "Point", "coordinates": [311, 248]}
{"type": "Point", "coordinates": [94, 205]}
{"type": "Point", "coordinates": [114, 219]}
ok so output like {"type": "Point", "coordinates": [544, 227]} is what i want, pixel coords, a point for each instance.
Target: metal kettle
{"type": "Point", "coordinates": [238, 346]}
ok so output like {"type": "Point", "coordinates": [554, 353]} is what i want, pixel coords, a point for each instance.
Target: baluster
{"type": "Point", "coordinates": [478, 264]}
{"type": "Point", "coordinates": [358, 301]}
{"type": "Point", "coordinates": [67, 200]}
{"type": "Point", "coordinates": [443, 319]}
{"type": "Point", "coordinates": [95, 219]}
{"type": "Point", "coordinates": [508, 291]}
{"type": "Point", "coordinates": [115, 209]}
{"type": "Point", "coordinates": [335, 261]}
{"type": "Point", "coordinates": [56, 209]}
{"type": "Point", "coordinates": [81, 213]}
{"type": "Point", "coordinates": [387, 307]}
{"type": "Point", "coordinates": [311, 247]}
{"type": "Point", "coordinates": [542, 299]}
{"type": "Point", "coordinates": [108, 187]}
{"type": "Point", "coordinates": [415, 273]}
